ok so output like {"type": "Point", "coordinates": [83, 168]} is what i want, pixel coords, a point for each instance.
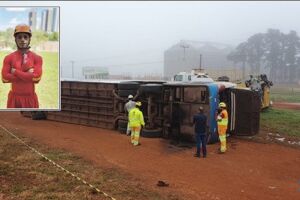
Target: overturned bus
{"type": "Point", "coordinates": [168, 107]}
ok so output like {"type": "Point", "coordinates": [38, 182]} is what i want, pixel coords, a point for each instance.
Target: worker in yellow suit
{"type": "Point", "coordinates": [222, 120]}
{"type": "Point", "coordinates": [136, 122]}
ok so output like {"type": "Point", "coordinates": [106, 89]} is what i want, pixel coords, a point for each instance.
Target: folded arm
{"type": "Point", "coordinates": [7, 76]}
{"type": "Point", "coordinates": [34, 74]}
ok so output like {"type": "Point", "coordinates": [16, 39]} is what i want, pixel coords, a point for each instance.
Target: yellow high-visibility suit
{"type": "Point", "coordinates": [136, 121]}
{"type": "Point", "coordinates": [222, 128]}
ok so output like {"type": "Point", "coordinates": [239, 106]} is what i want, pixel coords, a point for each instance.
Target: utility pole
{"type": "Point", "coordinates": [184, 46]}
{"type": "Point", "coordinates": [72, 61]}
{"type": "Point", "coordinates": [200, 62]}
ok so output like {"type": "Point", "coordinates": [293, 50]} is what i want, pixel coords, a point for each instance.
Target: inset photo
{"type": "Point", "coordinates": [29, 55]}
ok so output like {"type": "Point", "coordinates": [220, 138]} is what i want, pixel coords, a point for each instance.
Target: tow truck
{"type": "Point", "coordinates": [193, 76]}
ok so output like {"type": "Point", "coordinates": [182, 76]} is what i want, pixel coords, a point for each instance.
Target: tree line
{"type": "Point", "coordinates": [273, 50]}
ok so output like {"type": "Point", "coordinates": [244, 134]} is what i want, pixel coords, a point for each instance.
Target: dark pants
{"type": "Point", "coordinates": [201, 140]}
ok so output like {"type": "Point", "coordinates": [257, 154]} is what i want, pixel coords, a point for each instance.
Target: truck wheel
{"type": "Point", "coordinates": [151, 88]}
{"type": "Point", "coordinates": [154, 133]}
{"type": "Point", "coordinates": [122, 124]}
{"type": "Point", "coordinates": [129, 85]}
{"type": "Point", "coordinates": [122, 130]}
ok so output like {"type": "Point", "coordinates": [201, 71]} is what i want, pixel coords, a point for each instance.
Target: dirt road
{"type": "Point", "coordinates": [286, 105]}
{"type": "Point", "coordinates": [247, 171]}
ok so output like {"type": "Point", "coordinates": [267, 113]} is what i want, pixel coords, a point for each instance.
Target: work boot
{"type": "Point", "coordinates": [220, 152]}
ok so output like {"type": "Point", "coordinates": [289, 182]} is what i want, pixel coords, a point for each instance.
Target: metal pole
{"type": "Point", "coordinates": [184, 47]}
{"type": "Point", "coordinates": [200, 62]}
{"type": "Point", "coordinates": [72, 61]}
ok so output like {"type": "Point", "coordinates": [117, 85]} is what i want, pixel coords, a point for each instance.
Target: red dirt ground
{"type": "Point", "coordinates": [285, 105]}
{"type": "Point", "coordinates": [248, 170]}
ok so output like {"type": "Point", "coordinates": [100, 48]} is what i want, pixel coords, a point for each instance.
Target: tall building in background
{"type": "Point", "coordinates": [32, 19]}
{"type": "Point", "coordinates": [43, 20]}
{"type": "Point", "coordinates": [55, 20]}
{"type": "Point", "coordinates": [49, 20]}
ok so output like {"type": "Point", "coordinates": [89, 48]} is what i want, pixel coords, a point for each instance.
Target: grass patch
{"type": "Point", "coordinates": [47, 89]}
{"type": "Point", "coordinates": [285, 94]}
{"type": "Point", "coordinates": [291, 98]}
{"type": "Point", "coordinates": [281, 121]}
{"type": "Point", "coordinates": [25, 175]}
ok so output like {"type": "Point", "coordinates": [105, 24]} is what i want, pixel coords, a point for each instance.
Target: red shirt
{"type": "Point", "coordinates": [22, 81]}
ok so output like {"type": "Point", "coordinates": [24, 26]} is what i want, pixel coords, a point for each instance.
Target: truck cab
{"type": "Point", "coordinates": [192, 76]}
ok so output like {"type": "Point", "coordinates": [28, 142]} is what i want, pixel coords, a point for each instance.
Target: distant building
{"type": "Point", "coordinates": [95, 72]}
{"type": "Point", "coordinates": [44, 20]}
{"type": "Point", "coordinates": [50, 20]}
{"type": "Point", "coordinates": [55, 21]}
{"type": "Point", "coordinates": [32, 20]}
{"type": "Point", "coordinates": [185, 56]}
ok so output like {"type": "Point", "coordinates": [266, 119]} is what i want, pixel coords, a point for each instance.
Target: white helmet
{"type": "Point", "coordinates": [130, 97]}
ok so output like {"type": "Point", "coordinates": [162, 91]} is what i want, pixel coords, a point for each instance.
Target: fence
{"type": "Point", "coordinates": [285, 92]}
{"type": "Point", "coordinates": [286, 89]}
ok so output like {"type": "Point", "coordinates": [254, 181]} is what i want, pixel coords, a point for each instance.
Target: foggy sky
{"type": "Point", "coordinates": [121, 34]}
